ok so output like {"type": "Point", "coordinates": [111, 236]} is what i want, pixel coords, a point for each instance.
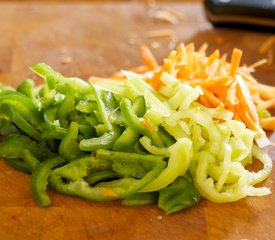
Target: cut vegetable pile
{"type": "Point", "coordinates": [166, 135]}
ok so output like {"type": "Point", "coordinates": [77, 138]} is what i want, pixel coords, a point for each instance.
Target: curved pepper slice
{"type": "Point", "coordinates": [68, 147]}
{"type": "Point", "coordinates": [179, 195]}
{"type": "Point", "coordinates": [39, 180]}
{"type": "Point", "coordinates": [22, 105]}
{"type": "Point", "coordinates": [126, 140]}
{"type": "Point", "coordinates": [140, 125]}
{"type": "Point", "coordinates": [18, 164]}
{"type": "Point", "coordinates": [117, 189]}
{"type": "Point", "coordinates": [105, 141]}
{"type": "Point", "coordinates": [178, 163]}
{"type": "Point", "coordinates": [14, 145]}
{"type": "Point", "coordinates": [140, 199]}
{"type": "Point", "coordinates": [27, 88]}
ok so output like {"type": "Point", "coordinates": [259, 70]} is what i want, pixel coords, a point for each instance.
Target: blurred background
{"type": "Point", "coordinates": [91, 37]}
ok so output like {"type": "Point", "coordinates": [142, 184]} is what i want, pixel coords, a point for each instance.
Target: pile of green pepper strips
{"type": "Point", "coordinates": [82, 140]}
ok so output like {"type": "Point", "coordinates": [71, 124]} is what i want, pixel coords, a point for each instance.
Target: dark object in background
{"type": "Point", "coordinates": [241, 12]}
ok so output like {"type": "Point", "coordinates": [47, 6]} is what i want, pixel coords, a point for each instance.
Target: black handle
{"type": "Point", "coordinates": [259, 12]}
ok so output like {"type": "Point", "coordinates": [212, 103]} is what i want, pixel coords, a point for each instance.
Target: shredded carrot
{"type": "Point", "coordinates": [204, 101]}
{"type": "Point", "coordinates": [190, 48]}
{"type": "Point", "coordinates": [203, 47]}
{"type": "Point", "coordinates": [167, 67]}
{"type": "Point", "coordinates": [268, 123]}
{"type": "Point", "coordinates": [155, 80]}
{"type": "Point", "coordinates": [148, 58]}
{"type": "Point", "coordinates": [214, 56]}
{"type": "Point", "coordinates": [107, 192]}
{"type": "Point", "coordinates": [225, 84]}
{"type": "Point", "coordinates": [245, 99]}
{"type": "Point", "coordinates": [235, 61]}
{"type": "Point", "coordinates": [213, 100]}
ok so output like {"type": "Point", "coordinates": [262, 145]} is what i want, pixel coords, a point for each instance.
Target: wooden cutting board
{"type": "Point", "coordinates": [83, 39]}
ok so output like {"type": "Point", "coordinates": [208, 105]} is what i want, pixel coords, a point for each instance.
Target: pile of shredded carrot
{"type": "Point", "coordinates": [225, 84]}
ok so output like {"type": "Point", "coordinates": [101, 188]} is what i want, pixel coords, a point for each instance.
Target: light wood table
{"type": "Point", "coordinates": [84, 38]}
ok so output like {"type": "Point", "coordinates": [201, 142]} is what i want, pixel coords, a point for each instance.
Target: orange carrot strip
{"type": "Point", "coordinates": [235, 61]}
{"type": "Point", "coordinates": [218, 81]}
{"type": "Point", "coordinates": [268, 123]}
{"type": "Point", "coordinates": [148, 58]}
{"type": "Point", "coordinates": [108, 192]}
{"type": "Point", "coordinates": [214, 56]}
{"type": "Point", "coordinates": [168, 67]}
{"type": "Point", "coordinates": [203, 48]}
{"type": "Point", "coordinates": [220, 92]}
{"type": "Point", "coordinates": [154, 81]}
{"type": "Point", "coordinates": [246, 118]}
{"type": "Point", "coordinates": [204, 101]}
{"type": "Point", "coordinates": [214, 101]}
{"type": "Point", "coordinates": [183, 72]}
{"type": "Point", "coordinates": [245, 99]}
{"type": "Point", "coordinates": [236, 114]}
{"type": "Point", "coordinates": [190, 47]}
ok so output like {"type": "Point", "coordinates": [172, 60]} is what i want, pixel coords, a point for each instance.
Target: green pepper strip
{"type": "Point", "coordinates": [166, 138]}
{"type": "Point", "coordinates": [66, 107]}
{"type": "Point", "coordinates": [140, 199]}
{"type": "Point", "coordinates": [181, 194]}
{"type": "Point", "coordinates": [73, 86]}
{"type": "Point", "coordinates": [105, 141]}
{"type": "Point", "coordinates": [139, 105]}
{"type": "Point", "coordinates": [109, 99]}
{"type": "Point", "coordinates": [101, 107]}
{"type": "Point", "coordinates": [7, 113]}
{"type": "Point", "coordinates": [68, 147]}
{"type": "Point", "coordinates": [18, 164]}
{"type": "Point", "coordinates": [100, 175]}
{"type": "Point", "coordinates": [67, 86]}
{"type": "Point", "coordinates": [30, 159]}
{"type": "Point", "coordinates": [14, 145]}
{"type": "Point", "coordinates": [133, 121]}
{"type": "Point", "coordinates": [117, 189]}
{"type": "Point", "coordinates": [27, 88]}
{"type": "Point", "coordinates": [39, 180]}
{"type": "Point", "coordinates": [53, 132]}
{"type": "Point", "coordinates": [42, 69]}
{"type": "Point", "coordinates": [6, 127]}
{"type": "Point", "coordinates": [22, 105]}
{"type": "Point", "coordinates": [126, 140]}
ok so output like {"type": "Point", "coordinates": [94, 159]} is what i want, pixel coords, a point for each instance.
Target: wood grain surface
{"type": "Point", "coordinates": [84, 39]}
